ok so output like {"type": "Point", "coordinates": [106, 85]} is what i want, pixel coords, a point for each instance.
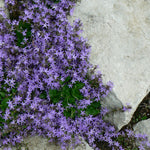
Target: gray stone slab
{"type": "Point", "coordinates": [119, 33]}
{"type": "Point", "coordinates": [40, 143]}
{"type": "Point", "coordinates": [2, 8]}
{"type": "Point", "coordinates": [142, 127]}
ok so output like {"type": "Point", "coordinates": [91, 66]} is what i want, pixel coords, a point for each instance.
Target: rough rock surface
{"type": "Point", "coordinates": [142, 127]}
{"type": "Point", "coordinates": [119, 33]}
{"type": "Point", "coordinates": [40, 143]}
{"type": "Point", "coordinates": [2, 8]}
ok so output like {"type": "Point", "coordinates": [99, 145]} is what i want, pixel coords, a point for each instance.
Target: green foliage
{"type": "Point", "coordinates": [144, 118]}
{"type": "Point", "coordinates": [125, 142]}
{"type": "Point", "coordinates": [23, 25]}
{"type": "Point", "coordinates": [56, 1]}
{"type": "Point", "coordinates": [19, 36]}
{"type": "Point", "coordinates": [49, 6]}
{"type": "Point", "coordinates": [69, 96]}
{"type": "Point", "coordinates": [139, 118]}
{"type": "Point", "coordinates": [5, 96]}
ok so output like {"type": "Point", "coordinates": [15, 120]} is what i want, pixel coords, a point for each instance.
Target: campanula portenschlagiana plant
{"type": "Point", "coordinates": [68, 96]}
{"type": "Point", "coordinates": [20, 37]}
{"type": "Point", "coordinates": [54, 52]}
{"type": "Point", "coordinates": [5, 96]}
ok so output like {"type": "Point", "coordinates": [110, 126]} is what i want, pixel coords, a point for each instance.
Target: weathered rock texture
{"type": "Point", "coordinates": [40, 143]}
{"type": "Point", "coordinates": [119, 33]}
{"type": "Point", "coordinates": [2, 8]}
{"type": "Point", "coordinates": [142, 127]}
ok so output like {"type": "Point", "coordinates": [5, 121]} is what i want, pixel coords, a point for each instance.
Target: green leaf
{"type": "Point", "coordinates": [70, 112]}
{"type": "Point", "coordinates": [76, 94]}
{"type": "Point", "coordinates": [68, 79]}
{"type": "Point", "coordinates": [96, 104]}
{"type": "Point", "coordinates": [93, 109]}
{"type": "Point", "coordinates": [24, 127]}
{"type": "Point", "coordinates": [1, 125]}
{"type": "Point", "coordinates": [144, 118]}
{"type": "Point", "coordinates": [3, 109]}
{"type": "Point", "coordinates": [73, 114]}
{"type": "Point", "coordinates": [70, 68]}
{"type": "Point", "coordinates": [8, 121]}
{"type": "Point", "coordinates": [79, 85]}
{"type": "Point", "coordinates": [71, 100]}
{"type": "Point", "coordinates": [55, 100]}
{"type": "Point", "coordinates": [79, 112]}
{"type": "Point", "coordinates": [14, 90]}
{"type": "Point", "coordinates": [15, 114]}
{"type": "Point", "coordinates": [75, 90]}
{"type": "Point", "coordinates": [4, 102]}
{"type": "Point", "coordinates": [27, 26]}
{"type": "Point", "coordinates": [54, 93]}
{"type": "Point", "coordinates": [56, 1]}
{"type": "Point", "coordinates": [61, 82]}
{"type": "Point", "coordinates": [65, 102]}
{"type": "Point", "coordinates": [67, 96]}
{"type": "Point", "coordinates": [43, 95]}
{"type": "Point", "coordinates": [2, 94]}
{"type": "Point", "coordinates": [1, 119]}
{"type": "Point", "coordinates": [55, 96]}
{"type": "Point", "coordinates": [65, 91]}
{"type": "Point", "coordinates": [67, 113]}
{"type": "Point", "coordinates": [32, 94]}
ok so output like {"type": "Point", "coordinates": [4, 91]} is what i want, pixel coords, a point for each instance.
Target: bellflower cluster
{"type": "Point", "coordinates": [39, 51]}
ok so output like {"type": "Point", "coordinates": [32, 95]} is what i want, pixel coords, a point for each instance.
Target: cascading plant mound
{"type": "Point", "coordinates": [56, 97]}
{"type": "Point", "coordinates": [68, 96]}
